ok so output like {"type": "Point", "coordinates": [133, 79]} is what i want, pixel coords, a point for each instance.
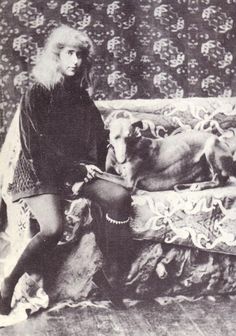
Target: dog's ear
{"type": "Point", "coordinates": [137, 125]}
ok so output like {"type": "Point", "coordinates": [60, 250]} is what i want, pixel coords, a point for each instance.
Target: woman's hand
{"type": "Point", "coordinates": [91, 172]}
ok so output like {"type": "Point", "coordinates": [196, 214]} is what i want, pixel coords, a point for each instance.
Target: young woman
{"type": "Point", "coordinates": [62, 134]}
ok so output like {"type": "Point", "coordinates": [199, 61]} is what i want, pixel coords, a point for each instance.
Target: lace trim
{"type": "Point", "coordinates": [117, 222]}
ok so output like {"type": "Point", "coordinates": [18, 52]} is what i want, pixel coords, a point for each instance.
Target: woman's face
{"type": "Point", "coordinates": [70, 60]}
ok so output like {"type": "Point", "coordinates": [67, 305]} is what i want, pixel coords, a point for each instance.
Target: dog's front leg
{"type": "Point", "coordinates": [115, 179]}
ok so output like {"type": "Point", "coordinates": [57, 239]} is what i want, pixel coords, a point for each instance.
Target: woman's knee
{"type": "Point", "coordinates": [120, 197]}
{"type": "Point", "coordinates": [114, 199]}
{"type": "Point", "coordinates": [54, 230]}
{"type": "Point", "coordinates": [120, 201]}
{"type": "Point", "coordinates": [52, 226]}
{"type": "Point", "coordinates": [48, 212]}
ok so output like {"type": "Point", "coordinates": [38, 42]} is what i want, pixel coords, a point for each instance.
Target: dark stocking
{"type": "Point", "coordinates": [38, 246]}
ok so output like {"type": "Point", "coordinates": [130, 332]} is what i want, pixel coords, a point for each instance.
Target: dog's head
{"type": "Point", "coordinates": [124, 134]}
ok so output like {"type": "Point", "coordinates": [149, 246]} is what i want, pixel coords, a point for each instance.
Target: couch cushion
{"type": "Point", "coordinates": [211, 114]}
{"type": "Point", "coordinates": [204, 219]}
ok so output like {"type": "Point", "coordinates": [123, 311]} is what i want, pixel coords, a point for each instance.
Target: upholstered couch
{"type": "Point", "coordinates": [185, 242]}
{"type": "Point", "coordinates": [202, 219]}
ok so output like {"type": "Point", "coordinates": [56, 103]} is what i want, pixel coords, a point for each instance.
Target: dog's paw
{"type": "Point", "coordinates": [76, 187]}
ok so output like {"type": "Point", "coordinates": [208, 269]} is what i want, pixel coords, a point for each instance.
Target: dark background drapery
{"type": "Point", "coordinates": [144, 48]}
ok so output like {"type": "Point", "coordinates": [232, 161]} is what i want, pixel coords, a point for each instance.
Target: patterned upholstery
{"type": "Point", "coordinates": [203, 219]}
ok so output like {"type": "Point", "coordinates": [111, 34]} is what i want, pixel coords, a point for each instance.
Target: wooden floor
{"type": "Point", "coordinates": [201, 318]}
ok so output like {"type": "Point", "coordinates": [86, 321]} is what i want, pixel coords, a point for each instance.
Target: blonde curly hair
{"type": "Point", "coordinates": [47, 69]}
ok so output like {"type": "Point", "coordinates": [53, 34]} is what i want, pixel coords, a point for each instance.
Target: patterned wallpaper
{"type": "Point", "coordinates": [144, 48]}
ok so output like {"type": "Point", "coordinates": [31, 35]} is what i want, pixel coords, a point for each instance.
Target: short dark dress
{"type": "Point", "coordinates": [60, 128]}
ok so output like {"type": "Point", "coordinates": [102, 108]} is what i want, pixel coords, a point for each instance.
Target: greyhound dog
{"type": "Point", "coordinates": [195, 160]}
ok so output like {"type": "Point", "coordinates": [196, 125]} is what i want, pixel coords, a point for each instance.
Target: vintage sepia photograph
{"type": "Point", "coordinates": [117, 167]}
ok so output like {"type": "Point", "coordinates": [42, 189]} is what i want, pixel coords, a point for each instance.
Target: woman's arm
{"type": "Point", "coordinates": [100, 141]}
{"type": "Point", "coordinates": [33, 116]}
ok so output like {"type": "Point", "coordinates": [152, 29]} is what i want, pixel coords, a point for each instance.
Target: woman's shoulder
{"type": "Point", "coordinates": [37, 91]}
{"type": "Point", "coordinates": [37, 88]}
{"type": "Point", "coordinates": [35, 96]}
